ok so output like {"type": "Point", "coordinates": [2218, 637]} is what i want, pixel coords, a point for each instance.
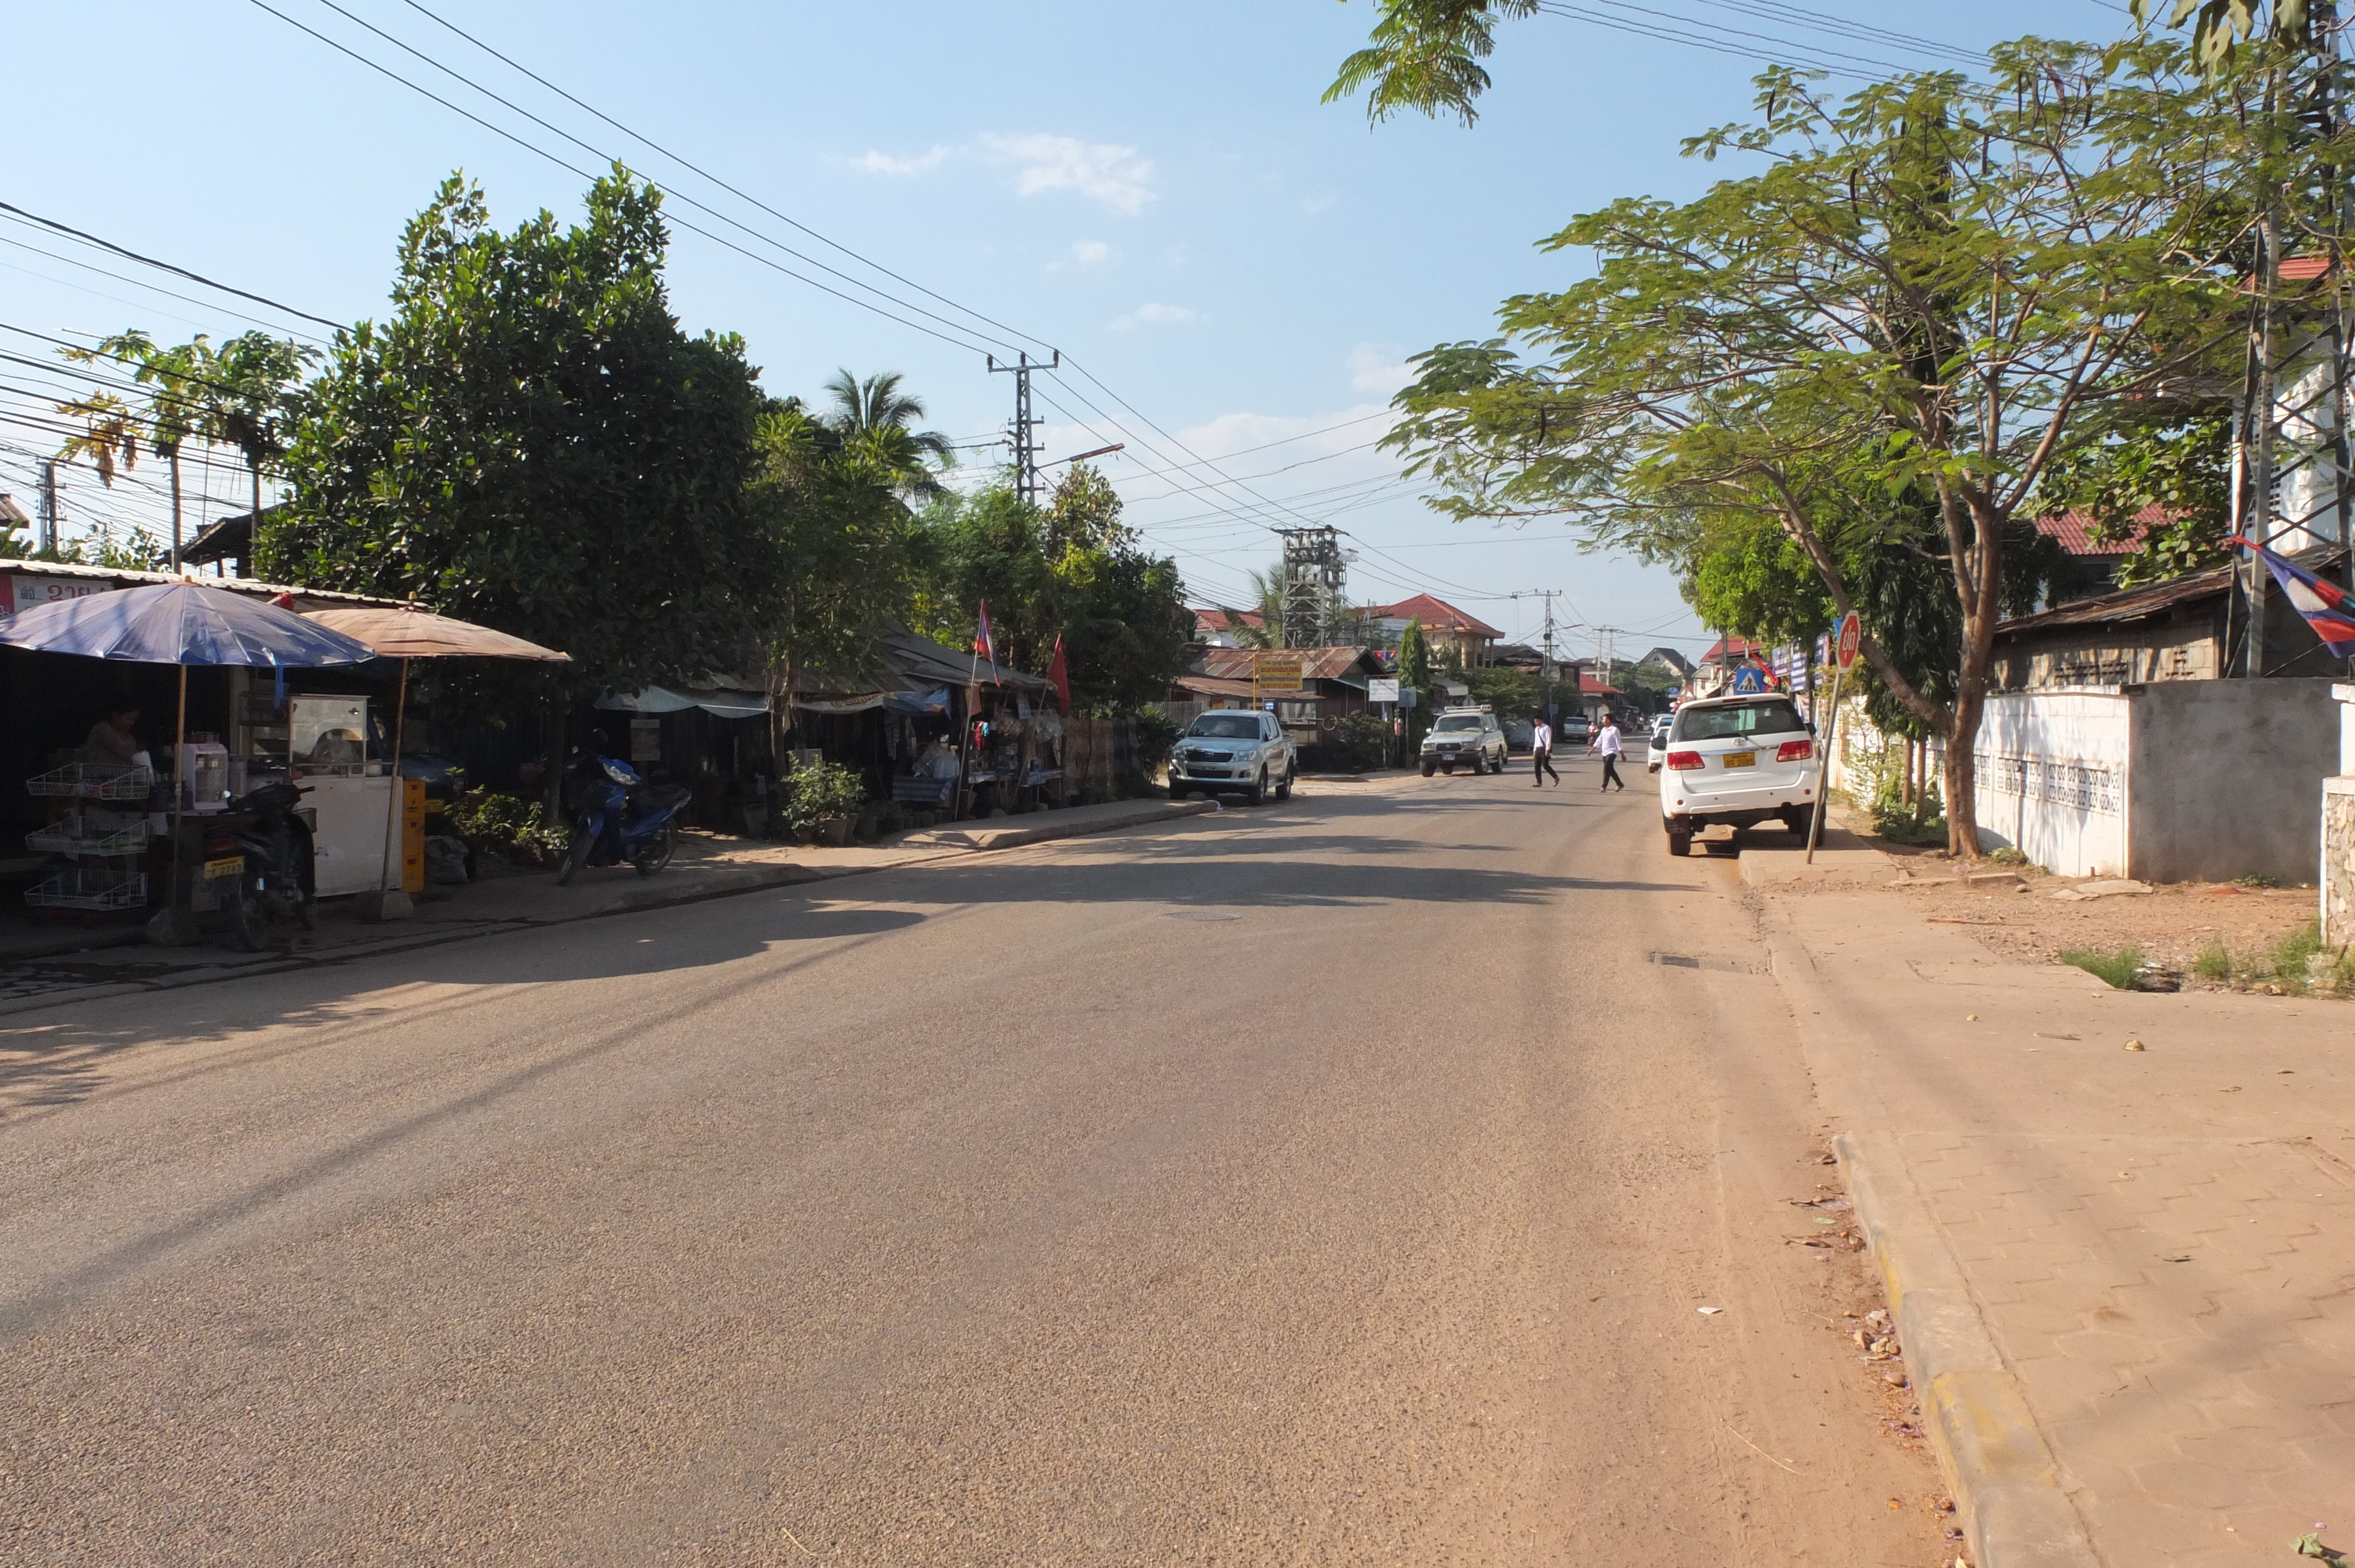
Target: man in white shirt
{"type": "Point", "coordinates": [1542, 753]}
{"type": "Point", "coordinates": [1607, 747]}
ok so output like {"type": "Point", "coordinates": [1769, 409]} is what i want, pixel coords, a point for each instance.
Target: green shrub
{"type": "Point", "coordinates": [1155, 732]}
{"type": "Point", "coordinates": [2117, 968]}
{"type": "Point", "coordinates": [2291, 953]}
{"type": "Point", "coordinates": [1363, 739]}
{"type": "Point", "coordinates": [820, 790]}
{"type": "Point", "coordinates": [2214, 962]}
{"type": "Point", "coordinates": [2007, 855]}
{"type": "Point", "coordinates": [506, 826]}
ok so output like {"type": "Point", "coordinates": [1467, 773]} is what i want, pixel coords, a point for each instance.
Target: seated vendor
{"type": "Point", "coordinates": [111, 743]}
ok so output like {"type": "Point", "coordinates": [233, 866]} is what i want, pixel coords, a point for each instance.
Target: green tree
{"type": "Point", "coordinates": [1930, 290]}
{"type": "Point", "coordinates": [876, 421]}
{"type": "Point", "coordinates": [176, 379]}
{"type": "Point", "coordinates": [533, 444]}
{"type": "Point", "coordinates": [1424, 56]}
{"type": "Point", "coordinates": [1414, 671]}
{"type": "Point", "coordinates": [109, 436]}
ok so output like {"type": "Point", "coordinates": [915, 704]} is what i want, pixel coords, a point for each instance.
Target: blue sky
{"type": "Point", "coordinates": [1151, 187]}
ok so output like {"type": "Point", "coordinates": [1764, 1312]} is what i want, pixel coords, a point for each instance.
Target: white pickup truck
{"type": "Point", "coordinates": [1234, 751]}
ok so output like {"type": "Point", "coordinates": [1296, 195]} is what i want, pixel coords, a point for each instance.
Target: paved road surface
{"type": "Point", "coordinates": [1336, 1184]}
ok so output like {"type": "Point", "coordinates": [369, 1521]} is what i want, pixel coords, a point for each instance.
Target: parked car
{"type": "Point", "coordinates": [1572, 730]}
{"type": "Point", "coordinates": [1466, 738]}
{"type": "Point", "coordinates": [1519, 735]}
{"type": "Point", "coordinates": [1740, 762]}
{"type": "Point", "coordinates": [1656, 750]}
{"type": "Point", "coordinates": [1234, 751]}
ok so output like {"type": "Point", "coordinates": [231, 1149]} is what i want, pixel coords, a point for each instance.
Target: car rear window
{"type": "Point", "coordinates": [1768, 715]}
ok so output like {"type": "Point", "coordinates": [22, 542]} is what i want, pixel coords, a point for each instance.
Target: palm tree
{"type": "Point", "coordinates": [110, 434]}
{"type": "Point", "coordinates": [169, 375]}
{"type": "Point", "coordinates": [243, 402]}
{"type": "Point", "coordinates": [874, 419]}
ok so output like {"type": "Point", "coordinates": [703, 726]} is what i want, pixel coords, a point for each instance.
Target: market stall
{"type": "Point", "coordinates": [185, 625]}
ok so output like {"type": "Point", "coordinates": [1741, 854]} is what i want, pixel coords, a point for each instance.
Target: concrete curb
{"type": "Point", "coordinates": [2005, 1482]}
{"type": "Point", "coordinates": [985, 837]}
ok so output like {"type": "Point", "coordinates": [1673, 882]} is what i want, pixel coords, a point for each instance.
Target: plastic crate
{"type": "Point", "coordinates": [81, 888]}
{"type": "Point", "coordinates": [94, 781]}
{"type": "Point", "coordinates": [56, 840]}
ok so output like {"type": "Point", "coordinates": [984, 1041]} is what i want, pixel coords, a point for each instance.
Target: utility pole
{"type": "Point", "coordinates": [1605, 645]}
{"type": "Point", "coordinates": [2293, 485]}
{"type": "Point", "coordinates": [1314, 574]}
{"type": "Point", "coordinates": [1025, 450]}
{"type": "Point", "coordinates": [50, 520]}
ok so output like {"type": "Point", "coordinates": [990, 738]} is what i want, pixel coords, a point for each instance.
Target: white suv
{"type": "Point", "coordinates": [1466, 737]}
{"type": "Point", "coordinates": [1737, 760]}
{"type": "Point", "coordinates": [1230, 749]}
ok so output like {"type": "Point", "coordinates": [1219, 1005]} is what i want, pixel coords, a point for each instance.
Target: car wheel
{"type": "Point", "coordinates": [1797, 822]}
{"type": "Point", "coordinates": [1258, 790]}
{"type": "Point", "coordinates": [1429, 768]}
{"type": "Point", "coordinates": [1681, 844]}
{"type": "Point", "coordinates": [1283, 790]}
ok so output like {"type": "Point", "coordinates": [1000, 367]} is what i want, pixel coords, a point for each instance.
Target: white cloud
{"type": "Point", "coordinates": [921, 163]}
{"type": "Point", "coordinates": [1372, 369]}
{"type": "Point", "coordinates": [1314, 204]}
{"type": "Point", "coordinates": [1088, 252]}
{"type": "Point", "coordinates": [1101, 171]}
{"type": "Point", "coordinates": [1155, 315]}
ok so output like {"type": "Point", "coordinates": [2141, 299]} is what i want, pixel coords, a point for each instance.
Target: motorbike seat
{"type": "Point", "coordinates": [668, 796]}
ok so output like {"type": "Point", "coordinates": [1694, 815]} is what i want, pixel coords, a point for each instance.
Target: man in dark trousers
{"type": "Point", "coordinates": [1542, 753]}
{"type": "Point", "coordinates": [1607, 747]}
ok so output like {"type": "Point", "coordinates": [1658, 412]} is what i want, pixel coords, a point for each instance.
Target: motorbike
{"type": "Point", "coordinates": [259, 864]}
{"type": "Point", "coordinates": [617, 815]}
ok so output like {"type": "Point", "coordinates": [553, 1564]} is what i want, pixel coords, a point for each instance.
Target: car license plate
{"type": "Point", "coordinates": [234, 865]}
{"type": "Point", "coordinates": [1742, 759]}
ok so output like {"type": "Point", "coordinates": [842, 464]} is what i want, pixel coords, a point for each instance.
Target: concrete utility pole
{"type": "Point", "coordinates": [1314, 572]}
{"type": "Point", "coordinates": [2293, 486]}
{"type": "Point", "coordinates": [49, 506]}
{"type": "Point", "coordinates": [1025, 450]}
{"type": "Point", "coordinates": [1605, 645]}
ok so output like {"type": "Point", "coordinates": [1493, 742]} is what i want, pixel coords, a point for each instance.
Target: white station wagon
{"type": "Point", "coordinates": [1740, 762]}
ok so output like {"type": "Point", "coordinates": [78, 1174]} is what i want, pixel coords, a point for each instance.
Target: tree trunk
{"type": "Point", "coordinates": [1976, 534]}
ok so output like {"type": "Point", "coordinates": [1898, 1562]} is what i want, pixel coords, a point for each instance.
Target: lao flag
{"type": "Point", "coordinates": [2325, 608]}
{"type": "Point", "coordinates": [984, 646]}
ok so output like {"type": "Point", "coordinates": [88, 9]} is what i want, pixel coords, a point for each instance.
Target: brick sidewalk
{"type": "Point", "coordinates": [2153, 1246]}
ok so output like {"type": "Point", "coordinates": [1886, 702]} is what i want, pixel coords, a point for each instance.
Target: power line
{"type": "Point", "coordinates": [139, 283]}
{"type": "Point", "coordinates": [167, 267]}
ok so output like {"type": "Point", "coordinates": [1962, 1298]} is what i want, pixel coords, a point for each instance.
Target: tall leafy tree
{"type": "Point", "coordinates": [531, 441]}
{"type": "Point", "coordinates": [175, 380]}
{"type": "Point", "coordinates": [1930, 288]}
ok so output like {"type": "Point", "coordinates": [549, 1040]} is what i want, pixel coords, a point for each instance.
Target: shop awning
{"type": "Point", "coordinates": [719, 702]}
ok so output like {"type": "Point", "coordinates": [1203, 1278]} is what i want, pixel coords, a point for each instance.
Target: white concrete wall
{"type": "Point", "coordinates": [2053, 778]}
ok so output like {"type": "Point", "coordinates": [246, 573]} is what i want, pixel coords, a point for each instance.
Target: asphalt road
{"type": "Point", "coordinates": [1339, 1183]}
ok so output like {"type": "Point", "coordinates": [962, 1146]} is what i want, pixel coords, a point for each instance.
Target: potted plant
{"type": "Point", "coordinates": [823, 800]}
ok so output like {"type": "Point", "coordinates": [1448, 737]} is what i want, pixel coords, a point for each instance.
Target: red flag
{"type": "Point", "coordinates": [984, 646]}
{"type": "Point", "coordinates": [1061, 673]}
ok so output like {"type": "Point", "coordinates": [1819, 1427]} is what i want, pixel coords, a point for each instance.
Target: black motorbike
{"type": "Point", "coordinates": [259, 864]}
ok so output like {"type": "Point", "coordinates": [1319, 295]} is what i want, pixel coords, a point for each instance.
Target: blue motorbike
{"type": "Point", "coordinates": [618, 816]}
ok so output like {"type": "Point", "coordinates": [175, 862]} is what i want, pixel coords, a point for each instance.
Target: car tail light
{"type": "Point", "coordinates": [1683, 760]}
{"type": "Point", "coordinates": [1794, 751]}
{"type": "Point", "coordinates": [220, 846]}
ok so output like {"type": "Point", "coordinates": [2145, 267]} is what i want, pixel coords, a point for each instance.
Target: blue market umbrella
{"type": "Point", "coordinates": [181, 623]}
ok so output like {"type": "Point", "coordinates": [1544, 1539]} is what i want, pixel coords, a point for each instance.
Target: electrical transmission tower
{"type": "Point", "coordinates": [1314, 572]}
{"type": "Point", "coordinates": [1025, 450]}
{"type": "Point", "coordinates": [2292, 486]}
{"type": "Point", "coordinates": [1548, 595]}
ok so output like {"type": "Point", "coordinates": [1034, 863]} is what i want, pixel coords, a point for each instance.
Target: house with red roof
{"type": "Point", "coordinates": [1222, 628]}
{"type": "Point", "coordinates": [1443, 627]}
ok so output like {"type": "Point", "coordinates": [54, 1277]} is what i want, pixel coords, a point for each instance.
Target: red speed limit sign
{"type": "Point", "coordinates": [1850, 633]}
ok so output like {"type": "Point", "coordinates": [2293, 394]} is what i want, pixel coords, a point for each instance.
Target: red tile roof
{"type": "Point", "coordinates": [2074, 529]}
{"type": "Point", "coordinates": [1726, 648]}
{"type": "Point", "coordinates": [1226, 619]}
{"type": "Point", "coordinates": [1588, 686]}
{"type": "Point", "coordinates": [1434, 613]}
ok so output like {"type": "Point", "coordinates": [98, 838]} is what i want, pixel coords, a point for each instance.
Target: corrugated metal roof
{"type": "Point", "coordinates": [2142, 603]}
{"type": "Point", "coordinates": [1209, 687]}
{"type": "Point", "coordinates": [130, 579]}
{"type": "Point", "coordinates": [1316, 664]}
{"type": "Point", "coordinates": [2073, 530]}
